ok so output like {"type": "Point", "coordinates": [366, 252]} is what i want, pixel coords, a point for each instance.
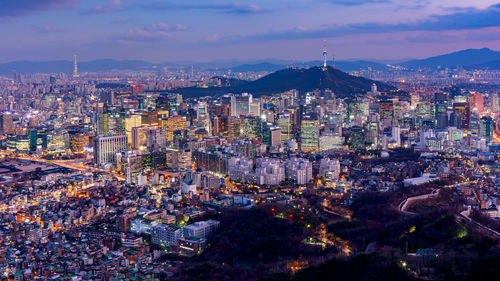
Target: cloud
{"type": "Point", "coordinates": [16, 8]}
{"type": "Point", "coordinates": [230, 8]}
{"type": "Point", "coordinates": [107, 8]}
{"type": "Point", "coordinates": [357, 2]}
{"type": "Point", "coordinates": [8, 19]}
{"type": "Point", "coordinates": [124, 20]}
{"type": "Point", "coordinates": [161, 26]}
{"type": "Point", "coordinates": [154, 32]}
{"type": "Point", "coordinates": [49, 29]}
{"type": "Point", "coordinates": [486, 34]}
{"type": "Point", "coordinates": [463, 19]}
{"type": "Point", "coordinates": [212, 38]}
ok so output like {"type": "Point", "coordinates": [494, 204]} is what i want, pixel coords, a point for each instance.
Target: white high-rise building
{"type": "Point", "coordinates": [106, 148]}
{"type": "Point", "coordinates": [240, 104]}
{"type": "Point", "coordinates": [396, 135]}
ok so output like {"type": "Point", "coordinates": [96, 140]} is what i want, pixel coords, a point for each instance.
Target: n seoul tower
{"type": "Point", "coordinates": [324, 54]}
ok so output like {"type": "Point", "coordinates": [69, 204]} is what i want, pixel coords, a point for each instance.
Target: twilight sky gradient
{"type": "Point", "coordinates": [203, 30]}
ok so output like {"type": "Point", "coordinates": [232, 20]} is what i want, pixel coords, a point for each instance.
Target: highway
{"type": "Point", "coordinates": [64, 164]}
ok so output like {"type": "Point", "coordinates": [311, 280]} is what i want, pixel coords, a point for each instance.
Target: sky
{"type": "Point", "coordinates": [203, 30]}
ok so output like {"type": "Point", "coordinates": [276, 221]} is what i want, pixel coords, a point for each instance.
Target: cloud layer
{"type": "Point", "coordinates": [15, 8]}
{"type": "Point", "coordinates": [157, 30]}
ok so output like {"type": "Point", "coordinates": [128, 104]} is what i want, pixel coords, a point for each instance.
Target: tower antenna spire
{"type": "Point", "coordinates": [324, 54]}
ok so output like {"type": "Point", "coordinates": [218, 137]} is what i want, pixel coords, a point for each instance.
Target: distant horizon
{"type": "Point", "coordinates": [245, 61]}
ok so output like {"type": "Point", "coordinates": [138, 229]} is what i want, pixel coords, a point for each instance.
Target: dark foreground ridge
{"type": "Point", "coordinates": [302, 79]}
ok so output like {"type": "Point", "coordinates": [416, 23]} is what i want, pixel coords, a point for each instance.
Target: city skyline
{"type": "Point", "coordinates": [207, 31]}
{"type": "Point", "coordinates": [286, 140]}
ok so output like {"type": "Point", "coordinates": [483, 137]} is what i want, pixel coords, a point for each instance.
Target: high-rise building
{"type": "Point", "coordinates": [172, 124]}
{"type": "Point", "coordinates": [309, 135]}
{"type": "Point", "coordinates": [285, 122]}
{"type": "Point", "coordinates": [357, 138]}
{"type": "Point", "coordinates": [240, 104]}
{"type": "Point", "coordinates": [78, 141]}
{"type": "Point", "coordinates": [139, 136]}
{"type": "Point", "coordinates": [476, 101]}
{"type": "Point", "coordinates": [463, 109]}
{"type": "Point", "coordinates": [156, 138]}
{"type": "Point", "coordinates": [441, 115]}
{"type": "Point", "coordinates": [219, 125]}
{"type": "Point", "coordinates": [396, 135]}
{"type": "Point", "coordinates": [106, 148]}
{"type": "Point", "coordinates": [6, 123]}
{"type": "Point", "coordinates": [179, 160]}
{"type": "Point", "coordinates": [149, 118]}
{"type": "Point", "coordinates": [131, 121]}
{"type": "Point", "coordinates": [109, 123]}
{"type": "Point", "coordinates": [221, 110]}
{"type": "Point", "coordinates": [474, 123]}
{"type": "Point", "coordinates": [251, 127]}
{"type": "Point", "coordinates": [386, 110]}
{"type": "Point", "coordinates": [494, 102]}
{"type": "Point", "coordinates": [271, 136]}
{"type": "Point", "coordinates": [486, 128]}
{"type": "Point", "coordinates": [75, 67]}
{"type": "Point", "coordinates": [234, 128]}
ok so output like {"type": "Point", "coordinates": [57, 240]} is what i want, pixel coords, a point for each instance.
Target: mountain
{"type": "Point", "coordinates": [36, 66]}
{"type": "Point", "coordinates": [302, 79]}
{"type": "Point", "coordinates": [360, 64]}
{"type": "Point", "coordinates": [342, 65]}
{"type": "Point", "coordinates": [269, 65]}
{"type": "Point", "coordinates": [461, 58]}
{"type": "Point", "coordinates": [259, 67]}
{"type": "Point", "coordinates": [67, 66]}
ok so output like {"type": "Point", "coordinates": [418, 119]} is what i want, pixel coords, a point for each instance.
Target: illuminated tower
{"type": "Point", "coordinates": [333, 61]}
{"type": "Point", "coordinates": [324, 54]}
{"type": "Point", "coordinates": [75, 68]}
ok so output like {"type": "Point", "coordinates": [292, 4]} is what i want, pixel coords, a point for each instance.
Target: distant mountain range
{"type": "Point", "coordinates": [469, 59]}
{"type": "Point", "coordinates": [302, 79]}
{"type": "Point", "coordinates": [62, 66]}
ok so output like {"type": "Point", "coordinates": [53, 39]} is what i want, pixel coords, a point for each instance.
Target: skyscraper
{"type": "Point", "coordinates": [172, 124]}
{"type": "Point", "coordinates": [6, 123]}
{"type": "Point", "coordinates": [251, 127]}
{"type": "Point", "coordinates": [309, 134]}
{"type": "Point", "coordinates": [463, 109]}
{"type": "Point", "coordinates": [240, 104]}
{"type": "Point", "coordinates": [486, 128]}
{"type": "Point", "coordinates": [476, 101]}
{"type": "Point", "coordinates": [106, 148]}
{"type": "Point", "coordinates": [139, 136]}
{"type": "Point", "coordinates": [285, 123]}
{"type": "Point", "coordinates": [75, 67]}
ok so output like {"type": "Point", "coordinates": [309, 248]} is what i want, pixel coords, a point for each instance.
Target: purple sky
{"type": "Point", "coordinates": [203, 30]}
